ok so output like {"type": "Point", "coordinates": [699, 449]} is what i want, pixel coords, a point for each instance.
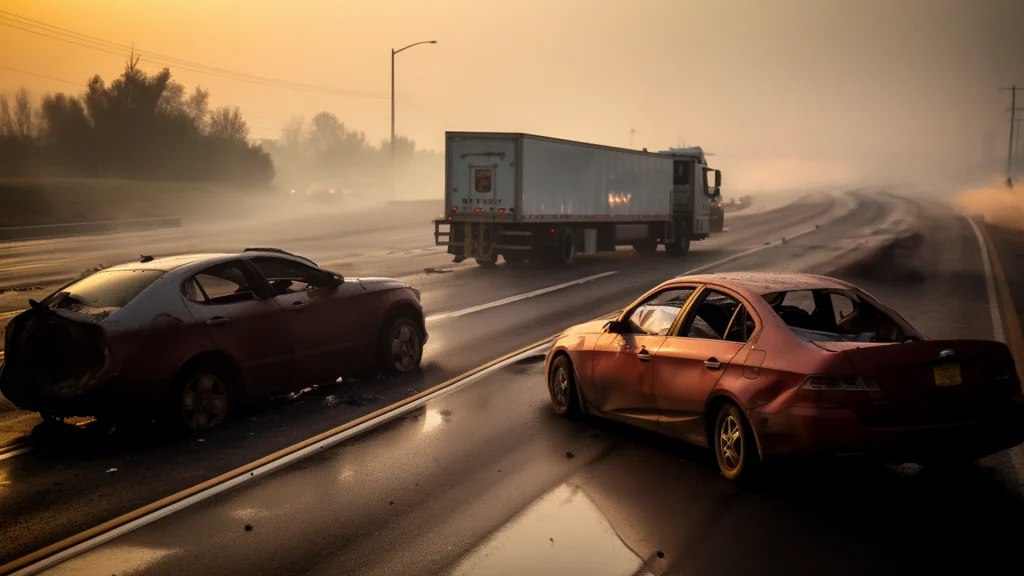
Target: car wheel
{"type": "Point", "coordinates": [202, 400]}
{"type": "Point", "coordinates": [562, 388]}
{"type": "Point", "coordinates": [734, 445]}
{"type": "Point", "coordinates": [402, 347]}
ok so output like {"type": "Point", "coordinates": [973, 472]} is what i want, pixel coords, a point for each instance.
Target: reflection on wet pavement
{"type": "Point", "coordinates": [563, 533]}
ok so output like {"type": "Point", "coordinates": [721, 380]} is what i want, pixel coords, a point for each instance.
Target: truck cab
{"type": "Point", "coordinates": [696, 191]}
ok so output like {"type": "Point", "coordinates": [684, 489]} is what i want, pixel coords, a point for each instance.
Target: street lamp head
{"type": "Point", "coordinates": [433, 41]}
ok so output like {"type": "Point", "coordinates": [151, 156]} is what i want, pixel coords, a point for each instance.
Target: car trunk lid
{"type": "Point", "coordinates": [52, 354]}
{"type": "Point", "coordinates": [936, 381]}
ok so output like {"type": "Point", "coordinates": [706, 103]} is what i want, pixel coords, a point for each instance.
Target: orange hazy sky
{"type": "Point", "coordinates": [829, 87]}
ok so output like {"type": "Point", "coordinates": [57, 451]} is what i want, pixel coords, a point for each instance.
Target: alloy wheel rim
{"type": "Point", "coordinates": [204, 402]}
{"type": "Point", "coordinates": [730, 442]}
{"type": "Point", "coordinates": [560, 387]}
{"type": "Point", "coordinates": [404, 348]}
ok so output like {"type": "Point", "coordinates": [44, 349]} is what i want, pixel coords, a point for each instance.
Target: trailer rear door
{"type": "Point", "coordinates": [481, 176]}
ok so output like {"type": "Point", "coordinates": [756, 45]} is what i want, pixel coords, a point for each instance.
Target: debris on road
{"type": "Point", "coordinates": [437, 270]}
{"type": "Point", "coordinates": [248, 527]}
{"type": "Point", "coordinates": [570, 455]}
{"type": "Point", "coordinates": [111, 470]}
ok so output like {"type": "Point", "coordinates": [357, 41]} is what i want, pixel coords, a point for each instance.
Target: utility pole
{"type": "Point", "coordinates": [393, 53]}
{"type": "Point", "coordinates": [1013, 126]}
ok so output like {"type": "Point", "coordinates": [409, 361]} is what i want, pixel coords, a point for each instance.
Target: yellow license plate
{"type": "Point", "coordinates": [947, 375]}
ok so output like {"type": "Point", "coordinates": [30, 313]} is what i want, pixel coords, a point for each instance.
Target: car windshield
{"type": "Point", "coordinates": [833, 316]}
{"type": "Point", "coordinates": [110, 289]}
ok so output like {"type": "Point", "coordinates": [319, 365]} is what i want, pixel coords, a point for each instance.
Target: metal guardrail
{"type": "Point", "coordinates": [11, 233]}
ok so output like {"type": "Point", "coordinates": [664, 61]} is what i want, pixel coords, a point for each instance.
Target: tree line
{"type": "Point", "coordinates": [324, 149]}
{"type": "Point", "coordinates": [138, 126]}
{"type": "Point", "coordinates": [149, 127]}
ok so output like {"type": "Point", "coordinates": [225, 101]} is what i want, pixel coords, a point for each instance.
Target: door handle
{"type": "Point", "coordinates": [216, 320]}
{"type": "Point", "coordinates": [712, 363]}
{"type": "Point", "coordinates": [643, 355]}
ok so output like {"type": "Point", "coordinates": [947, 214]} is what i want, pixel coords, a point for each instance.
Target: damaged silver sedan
{"type": "Point", "coordinates": [190, 337]}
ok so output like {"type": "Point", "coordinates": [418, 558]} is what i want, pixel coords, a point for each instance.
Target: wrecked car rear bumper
{"type": "Point", "coordinates": [114, 396]}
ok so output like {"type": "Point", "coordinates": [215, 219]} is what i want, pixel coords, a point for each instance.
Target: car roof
{"type": "Point", "coordinates": [174, 262]}
{"type": "Point", "coordinates": [762, 283]}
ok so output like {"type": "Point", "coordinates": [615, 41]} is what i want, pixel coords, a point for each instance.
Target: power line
{"type": "Point", "coordinates": [84, 40]}
{"type": "Point", "coordinates": [43, 76]}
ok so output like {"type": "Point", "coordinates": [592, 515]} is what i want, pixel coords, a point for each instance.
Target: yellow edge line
{"type": "Point", "coordinates": [1015, 340]}
{"type": "Point", "coordinates": [95, 531]}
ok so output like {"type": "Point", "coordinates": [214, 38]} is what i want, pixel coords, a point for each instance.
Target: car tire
{"type": "Point", "coordinates": [202, 398]}
{"type": "Point", "coordinates": [734, 445]}
{"type": "Point", "coordinates": [562, 388]}
{"type": "Point", "coordinates": [401, 346]}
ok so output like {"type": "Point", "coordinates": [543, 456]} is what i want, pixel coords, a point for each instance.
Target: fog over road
{"type": "Point", "coordinates": [478, 480]}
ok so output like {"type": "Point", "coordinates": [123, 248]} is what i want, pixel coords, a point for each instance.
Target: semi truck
{"type": "Point", "coordinates": [523, 197]}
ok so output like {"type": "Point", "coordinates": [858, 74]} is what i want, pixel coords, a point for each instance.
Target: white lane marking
{"type": "Point", "coordinates": [511, 299]}
{"type": "Point", "coordinates": [269, 468]}
{"type": "Point", "coordinates": [990, 285]}
{"type": "Point", "coordinates": [17, 452]}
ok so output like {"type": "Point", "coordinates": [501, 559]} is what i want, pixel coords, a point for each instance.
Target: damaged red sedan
{"type": "Point", "coordinates": [190, 337]}
{"type": "Point", "coordinates": [765, 366]}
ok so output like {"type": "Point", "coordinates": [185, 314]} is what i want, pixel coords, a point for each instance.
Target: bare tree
{"type": "Point", "coordinates": [198, 106]}
{"type": "Point", "coordinates": [24, 126]}
{"type": "Point", "coordinates": [227, 123]}
{"type": "Point", "coordinates": [6, 120]}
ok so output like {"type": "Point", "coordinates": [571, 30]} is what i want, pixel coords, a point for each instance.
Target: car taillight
{"type": "Point", "coordinates": [839, 383]}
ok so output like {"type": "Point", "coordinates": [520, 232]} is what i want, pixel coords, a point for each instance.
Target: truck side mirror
{"type": "Point", "coordinates": [718, 178]}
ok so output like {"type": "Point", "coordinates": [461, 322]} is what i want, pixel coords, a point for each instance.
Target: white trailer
{"type": "Point", "coordinates": [527, 197]}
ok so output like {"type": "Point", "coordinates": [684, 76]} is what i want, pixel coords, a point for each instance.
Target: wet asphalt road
{"type": "Point", "coordinates": [423, 494]}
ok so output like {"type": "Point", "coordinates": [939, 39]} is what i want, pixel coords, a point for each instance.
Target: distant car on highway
{"type": "Point", "coordinates": [321, 192]}
{"type": "Point", "coordinates": [191, 337]}
{"type": "Point", "coordinates": [765, 366]}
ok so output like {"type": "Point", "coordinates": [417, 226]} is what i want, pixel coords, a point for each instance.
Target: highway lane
{"type": "Point", "coordinates": [63, 485]}
{"type": "Point", "coordinates": [487, 480]}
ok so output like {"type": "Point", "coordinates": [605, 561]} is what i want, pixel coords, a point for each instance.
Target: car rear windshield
{"type": "Point", "coordinates": [833, 316]}
{"type": "Point", "coordinates": [105, 289]}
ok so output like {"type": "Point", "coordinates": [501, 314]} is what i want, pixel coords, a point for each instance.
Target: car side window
{"type": "Point", "coordinates": [741, 327]}
{"type": "Point", "coordinates": [289, 277]}
{"type": "Point", "coordinates": [842, 306]}
{"type": "Point", "coordinates": [656, 315]}
{"type": "Point", "coordinates": [221, 284]}
{"type": "Point", "coordinates": [712, 316]}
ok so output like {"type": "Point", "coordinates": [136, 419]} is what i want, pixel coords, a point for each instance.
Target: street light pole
{"type": "Point", "coordinates": [393, 53]}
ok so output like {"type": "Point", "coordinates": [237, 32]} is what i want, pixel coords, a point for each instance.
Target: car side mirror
{"type": "Point", "coordinates": [617, 327]}
{"type": "Point", "coordinates": [334, 280]}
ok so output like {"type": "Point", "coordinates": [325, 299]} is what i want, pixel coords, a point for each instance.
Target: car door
{"type": "Point", "coordinates": [620, 373]}
{"type": "Point", "coordinates": [325, 322]}
{"type": "Point", "coordinates": [225, 300]}
{"type": "Point", "coordinates": [690, 362]}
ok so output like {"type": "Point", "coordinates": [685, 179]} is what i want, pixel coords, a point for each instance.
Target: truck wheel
{"type": "Point", "coordinates": [486, 263]}
{"type": "Point", "coordinates": [678, 248]}
{"type": "Point", "coordinates": [646, 247]}
{"type": "Point", "coordinates": [515, 257]}
{"type": "Point", "coordinates": [566, 251]}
